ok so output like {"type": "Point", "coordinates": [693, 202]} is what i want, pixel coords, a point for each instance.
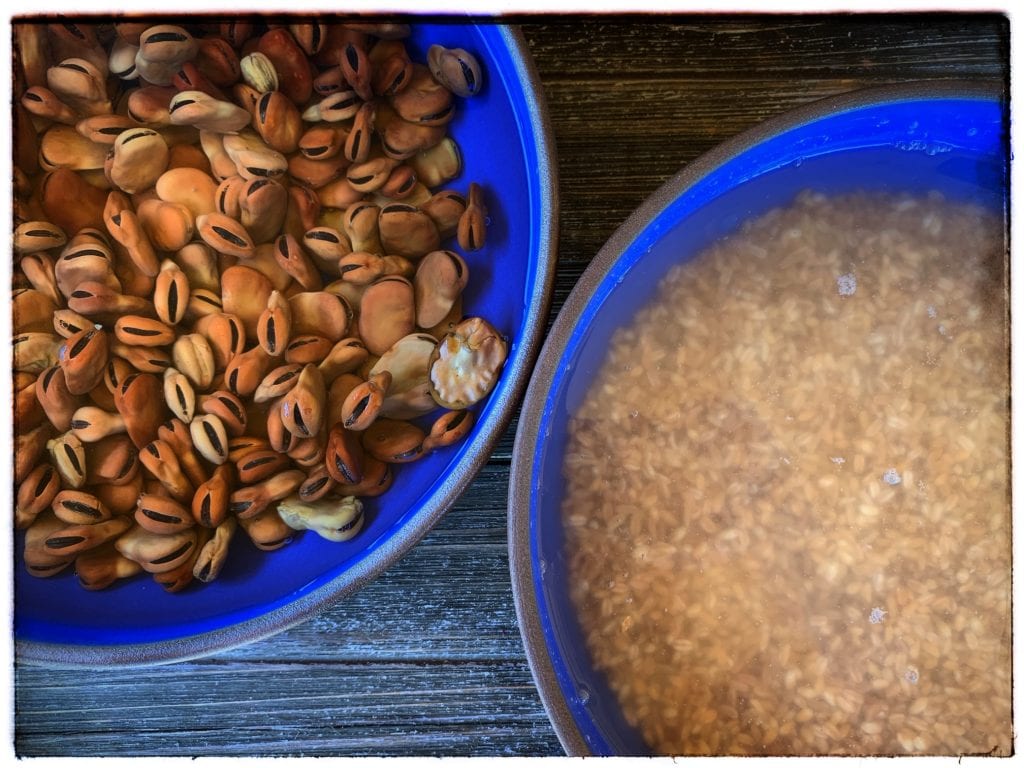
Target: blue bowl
{"type": "Point", "coordinates": [507, 147]}
{"type": "Point", "coordinates": [919, 137]}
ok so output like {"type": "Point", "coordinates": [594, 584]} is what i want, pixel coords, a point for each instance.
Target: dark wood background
{"type": "Point", "coordinates": [427, 660]}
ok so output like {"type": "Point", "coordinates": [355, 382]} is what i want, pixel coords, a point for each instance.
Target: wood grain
{"type": "Point", "coordinates": [427, 660]}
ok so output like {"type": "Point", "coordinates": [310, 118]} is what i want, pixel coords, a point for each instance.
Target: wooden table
{"type": "Point", "coordinates": [427, 660]}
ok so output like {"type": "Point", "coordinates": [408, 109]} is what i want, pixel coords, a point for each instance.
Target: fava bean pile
{"type": "Point", "coordinates": [232, 299]}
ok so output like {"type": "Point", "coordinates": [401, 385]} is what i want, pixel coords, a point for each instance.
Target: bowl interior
{"type": "Point", "coordinates": [497, 134]}
{"type": "Point", "coordinates": [954, 144]}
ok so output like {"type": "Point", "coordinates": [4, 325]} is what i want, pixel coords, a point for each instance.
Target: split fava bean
{"type": "Point", "coordinates": [206, 242]}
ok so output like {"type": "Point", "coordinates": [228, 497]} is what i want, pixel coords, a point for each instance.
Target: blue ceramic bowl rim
{"type": "Point", "coordinates": [546, 213]}
{"type": "Point", "coordinates": [530, 606]}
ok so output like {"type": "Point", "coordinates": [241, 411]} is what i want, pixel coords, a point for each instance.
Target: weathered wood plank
{"type": "Point", "coordinates": [289, 708]}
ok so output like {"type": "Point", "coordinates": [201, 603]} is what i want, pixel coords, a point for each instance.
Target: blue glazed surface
{"type": "Point", "coordinates": [56, 621]}
{"type": "Point", "coordinates": [953, 144]}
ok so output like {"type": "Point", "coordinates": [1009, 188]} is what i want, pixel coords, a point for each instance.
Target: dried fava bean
{"type": "Point", "coordinates": [213, 554]}
{"type": "Point", "coordinates": [355, 67]}
{"type": "Point", "coordinates": [302, 407]}
{"type": "Point", "coordinates": [34, 352]}
{"type": "Point", "coordinates": [262, 206]}
{"type": "Point", "coordinates": [408, 363]}
{"type": "Point", "coordinates": [33, 236]}
{"type": "Point", "coordinates": [322, 141]}
{"type": "Point", "coordinates": [238, 447]}
{"type": "Point", "coordinates": [176, 434]}
{"type": "Point", "coordinates": [437, 164]}
{"type": "Point", "coordinates": [179, 395]}
{"type": "Point", "coordinates": [100, 567]}
{"type": "Point", "coordinates": [253, 500]}
{"type": "Point", "coordinates": [277, 382]}
{"type": "Point", "coordinates": [258, 71]}
{"type": "Point", "coordinates": [225, 334]}
{"type": "Point", "coordinates": [210, 501]}
{"type": "Point", "coordinates": [193, 356]}
{"type": "Point", "coordinates": [294, 72]}
{"type": "Point", "coordinates": [163, 464]}
{"type": "Point", "coordinates": [38, 560]}
{"type": "Point", "coordinates": [155, 552]}
{"type": "Point", "coordinates": [259, 465]}
{"type": "Point", "coordinates": [295, 262]}
{"type": "Point", "coordinates": [217, 60]}
{"type": "Point", "coordinates": [190, 78]}
{"type": "Point", "coordinates": [328, 81]}
{"type": "Point", "coordinates": [456, 69]}
{"type": "Point", "coordinates": [377, 479]}
{"type": "Point", "coordinates": [33, 311]}
{"type": "Point", "coordinates": [210, 438]}
{"type": "Point", "coordinates": [392, 67]}
{"type": "Point", "coordinates": [62, 146]}
{"type": "Point", "coordinates": [171, 293]}
{"type": "Point", "coordinates": [140, 402]}
{"type": "Point", "coordinates": [228, 408]}
{"type": "Point", "coordinates": [334, 108]}
{"type": "Point", "coordinates": [440, 279]}
{"type": "Point", "coordinates": [120, 499]}
{"type": "Point", "coordinates": [318, 483]}
{"type": "Point", "coordinates": [35, 493]}
{"type": "Point", "coordinates": [466, 364]}
{"type": "Point", "coordinates": [143, 332]}
{"type": "Point", "coordinates": [57, 401]}
{"type": "Point", "coordinates": [246, 370]}
{"type": "Point", "coordinates": [167, 44]}
{"type": "Point", "coordinates": [181, 576]}
{"type": "Point", "coordinates": [424, 100]}
{"type": "Point", "coordinates": [345, 356]}
{"type": "Point", "coordinates": [161, 514]}
{"type": "Point", "coordinates": [77, 538]}
{"type": "Point", "coordinates": [387, 313]}
{"type": "Point", "coordinates": [246, 293]}
{"type": "Point", "coordinates": [169, 226]}
{"type": "Point", "coordinates": [83, 358]}
{"type": "Point", "coordinates": [472, 229]}
{"type": "Point", "coordinates": [307, 452]}
{"type": "Point", "coordinates": [363, 404]}
{"type": "Point", "coordinates": [191, 187]}
{"type": "Point", "coordinates": [225, 235]}
{"type": "Point", "coordinates": [112, 460]}
{"type": "Point", "coordinates": [38, 269]}
{"type": "Point", "coordinates": [333, 520]}
{"type": "Point", "coordinates": [80, 84]}
{"type": "Point", "coordinates": [321, 313]}
{"type": "Point", "coordinates": [448, 429]}
{"type": "Point", "coordinates": [267, 530]}
{"type": "Point", "coordinates": [104, 129]}
{"type": "Point", "coordinates": [343, 458]}
{"type": "Point", "coordinates": [358, 141]}
{"type": "Point", "coordinates": [404, 230]}
{"type": "Point", "coordinates": [79, 508]}
{"type": "Point", "coordinates": [91, 424]}
{"type": "Point", "coordinates": [393, 441]}
{"type": "Point", "coordinates": [29, 447]}
{"type": "Point", "coordinates": [278, 122]}
{"type": "Point", "coordinates": [140, 156]}
{"type": "Point", "coordinates": [274, 327]}
{"type": "Point", "coordinates": [44, 103]}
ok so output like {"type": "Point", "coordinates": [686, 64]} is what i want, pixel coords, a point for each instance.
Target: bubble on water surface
{"type": "Point", "coordinates": [892, 477]}
{"type": "Point", "coordinates": [847, 284]}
